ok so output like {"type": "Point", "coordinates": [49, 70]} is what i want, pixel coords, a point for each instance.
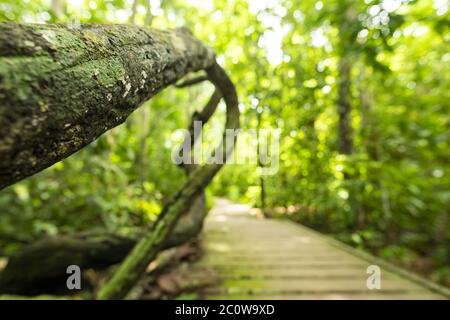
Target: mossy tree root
{"type": "Point", "coordinates": [40, 267]}
{"type": "Point", "coordinates": [148, 247]}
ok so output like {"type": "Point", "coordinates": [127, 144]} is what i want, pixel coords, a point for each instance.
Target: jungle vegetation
{"type": "Point", "coordinates": [359, 90]}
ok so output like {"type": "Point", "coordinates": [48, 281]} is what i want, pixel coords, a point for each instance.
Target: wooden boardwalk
{"type": "Point", "coordinates": [257, 258]}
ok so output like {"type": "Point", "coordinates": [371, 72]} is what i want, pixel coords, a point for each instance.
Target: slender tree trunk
{"type": "Point", "coordinates": [57, 8]}
{"type": "Point", "coordinates": [344, 106]}
{"type": "Point", "coordinates": [149, 15]}
{"type": "Point", "coordinates": [345, 133]}
{"type": "Point", "coordinates": [345, 139]}
{"type": "Point", "coordinates": [260, 165]}
{"type": "Point", "coordinates": [133, 12]}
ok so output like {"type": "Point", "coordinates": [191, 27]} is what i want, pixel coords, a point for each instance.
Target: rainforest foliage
{"type": "Point", "coordinates": [359, 89]}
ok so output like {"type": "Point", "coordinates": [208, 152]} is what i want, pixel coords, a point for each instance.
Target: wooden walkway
{"type": "Point", "coordinates": [257, 258]}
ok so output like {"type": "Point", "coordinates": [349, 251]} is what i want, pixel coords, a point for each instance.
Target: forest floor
{"type": "Point", "coordinates": [257, 258]}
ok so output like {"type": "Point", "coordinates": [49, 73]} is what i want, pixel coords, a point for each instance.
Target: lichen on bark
{"type": "Point", "coordinates": [61, 88]}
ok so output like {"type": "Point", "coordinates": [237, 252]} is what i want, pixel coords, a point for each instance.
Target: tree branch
{"type": "Point", "coordinates": [191, 82]}
{"type": "Point", "coordinates": [148, 247]}
{"type": "Point", "coordinates": [61, 88]}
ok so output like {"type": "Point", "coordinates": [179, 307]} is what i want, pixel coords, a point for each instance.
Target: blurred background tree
{"type": "Point", "coordinates": [360, 90]}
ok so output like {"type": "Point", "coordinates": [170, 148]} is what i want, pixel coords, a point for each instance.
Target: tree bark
{"type": "Point", "coordinates": [61, 88]}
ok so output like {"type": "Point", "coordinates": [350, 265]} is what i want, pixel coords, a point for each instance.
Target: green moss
{"type": "Point", "coordinates": [61, 38]}
{"type": "Point", "coordinates": [104, 71]}
{"type": "Point", "coordinates": [18, 83]}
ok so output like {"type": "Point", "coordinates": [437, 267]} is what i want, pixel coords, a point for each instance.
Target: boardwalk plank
{"type": "Point", "coordinates": [270, 259]}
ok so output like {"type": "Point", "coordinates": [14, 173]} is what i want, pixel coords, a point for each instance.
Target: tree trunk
{"type": "Point", "coordinates": [345, 134]}
{"type": "Point", "coordinates": [61, 88]}
{"type": "Point", "coordinates": [344, 107]}
{"type": "Point", "coordinates": [259, 146]}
